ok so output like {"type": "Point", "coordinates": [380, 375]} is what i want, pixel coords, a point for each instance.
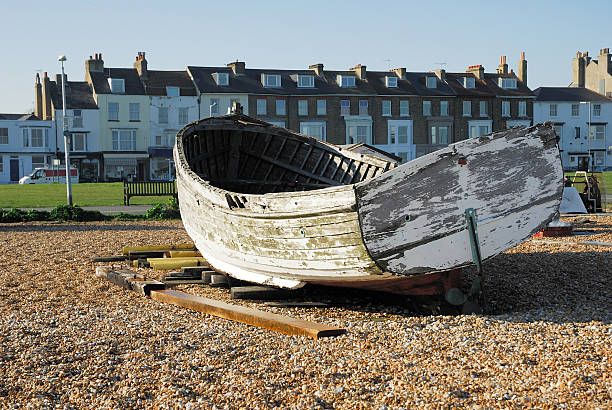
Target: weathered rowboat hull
{"type": "Point", "coordinates": [346, 217]}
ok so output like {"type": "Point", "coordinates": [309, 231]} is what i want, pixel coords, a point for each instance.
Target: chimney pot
{"type": "Point", "coordinates": [400, 72]}
{"type": "Point", "coordinates": [360, 70]}
{"type": "Point", "coordinates": [522, 69]}
{"type": "Point", "coordinates": [141, 66]}
{"type": "Point", "coordinates": [45, 74]}
{"type": "Point", "coordinates": [317, 68]}
{"type": "Point", "coordinates": [237, 67]}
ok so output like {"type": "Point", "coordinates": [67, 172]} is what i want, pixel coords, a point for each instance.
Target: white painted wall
{"type": "Point", "coordinates": [225, 102]}
{"type": "Point", "coordinates": [91, 126]}
{"type": "Point", "coordinates": [568, 143]}
{"type": "Point", "coordinates": [15, 148]}
{"type": "Point", "coordinates": [173, 126]}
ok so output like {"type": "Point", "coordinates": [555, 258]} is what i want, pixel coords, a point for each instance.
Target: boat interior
{"type": "Point", "coordinates": [244, 155]}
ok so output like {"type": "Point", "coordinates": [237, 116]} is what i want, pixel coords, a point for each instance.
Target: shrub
{"type": "Point", "coordinates": [128, 217]}
{"type": "Point", "coordinates": [34, 215]}
{"type": "Point", "coordinates": [74, 213]}
{"type": "Point", "coordinates": [160, 211]}
{"type": "Point", "coordinates": [12, 215]}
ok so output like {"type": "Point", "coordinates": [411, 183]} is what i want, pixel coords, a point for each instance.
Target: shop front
{"type": "Point", "coordinates": [162, 164]}
{"type": "Point", "coordinates": [128, 167]}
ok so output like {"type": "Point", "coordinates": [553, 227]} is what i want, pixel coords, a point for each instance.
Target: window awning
{"type": "Point", "coordinates": [126, 162]}
{"type": "Point", "coordinates": [160, 152]}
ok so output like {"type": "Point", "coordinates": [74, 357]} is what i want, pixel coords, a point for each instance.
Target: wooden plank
{"type": "Point", "coordinates": [163, 248]}
{"type": "Point", "coordinates": [119, 277]}
{"type": "Point", "coordinates": [289, 304]}
{"type": "Point", "coordinates": [129, 280]}
{"type": "Point", "coordinates": [182, 254]}
{"type": "Point", "coordinates": [195, 270]}
{"type": "Point", "coordinates": [269, 139]}
{"type": "Point", "coordinates": [290, 168]}
{"type": "Point", "coordinates": [435, 283]}
{"type": "Point", "coordinates": [175, 263]}
{"type": "Point", "coordinates": [258, 293]}
{"type": "Point", "coordinates": [144, 287]}
{"type": "Point", "coordinates": [110, 258]}
{"type": "Point", "coordinates": [253, 317]}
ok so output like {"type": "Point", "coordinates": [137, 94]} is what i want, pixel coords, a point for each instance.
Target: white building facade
{"type": "Point", "coordinates": [169, 114]}
{"type": "Point", "coordinates": [26, 143]}
{"type": "Point", "coordinates": [582, 119]}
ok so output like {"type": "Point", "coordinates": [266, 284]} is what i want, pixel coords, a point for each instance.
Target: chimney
{"type": "Point", "coordinates": [360, 70]}
{"type": "Point", "coordinates": [47, 111]}
{"type": "Point", "coordinates": [578, 69]}
{"type": "Point", "coordinates": [522, 69]}
{"type": "Point", "coordinates": [141, 65]}
{"type": "Point", "coordinates": [237, 67]}
{"type": "Point", "coordinates": [58, 79]}
{"type": "Point", "coordinates": [604, 62]}
{"type": "Point", "coordinates": [317, 68]}
{"type": "Point", "coordinates": [400, 72]}
{"type": "Point", "coordinates": [502, 68]}
{"type": "Point", "coordinates": [94, 64]}
{"type": "Point", "coordinates": [477, 70]}
{"type": "Point", "coordinates": [441, 74]}
{"type": "Point", "coordinates": [38, 105]}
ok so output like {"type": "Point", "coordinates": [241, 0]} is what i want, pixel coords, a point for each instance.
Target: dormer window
{"type": "Point", "coordinates": [391, 82]}
{"type": "Point", "coordinates": [222, 78]}
{"type": "Point", "coordinates": [172, 91]}
{"type": "Point", "coordinates": [117, 85]}
{"type": "Point", "coordinates": [431, 82]}
{"type": "Point", "coordinates": [506, 82]}
{"type": "Point", "coordinates": [305, 81]}
{"type": "Point", "coordinates": [346, 81]}
{"type": "Point", "coordinates": [468, 82]}
{"type": "Point", "coordinates": [271, 80]}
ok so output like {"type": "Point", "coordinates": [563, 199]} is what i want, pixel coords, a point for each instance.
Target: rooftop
{"type": "Point", "coordinates": [570, 94]}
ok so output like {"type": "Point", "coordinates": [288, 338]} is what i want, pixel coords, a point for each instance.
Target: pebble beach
{"type": "Point", "coordinates": [70, 340]}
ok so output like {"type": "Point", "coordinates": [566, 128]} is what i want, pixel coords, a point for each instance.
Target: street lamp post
{"type": "Point", "coordinates": [66, 134]}
{"type": "Point", "coordinates": [588, 103]}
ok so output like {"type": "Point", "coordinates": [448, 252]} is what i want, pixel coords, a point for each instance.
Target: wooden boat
{"type": "Point", "coordinates": [271, 206]}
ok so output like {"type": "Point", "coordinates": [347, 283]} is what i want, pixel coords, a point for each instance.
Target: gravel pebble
{"type": "Point", "coordinates": [68, 340]}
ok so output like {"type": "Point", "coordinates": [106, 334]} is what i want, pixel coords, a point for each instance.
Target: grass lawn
{"type": "Point", "coordinates": [604, 180]}
{"type": "Point", "coordinates": [52, 195]}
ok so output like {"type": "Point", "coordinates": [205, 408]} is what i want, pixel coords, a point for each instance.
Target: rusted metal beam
{"type": "Point", "coordinates": [253, 317]}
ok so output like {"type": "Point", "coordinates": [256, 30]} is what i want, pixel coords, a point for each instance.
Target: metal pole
{"type": "Point", "coordinates": [589, 140]}
{"type": "Point", "coordinates": [66, 134]}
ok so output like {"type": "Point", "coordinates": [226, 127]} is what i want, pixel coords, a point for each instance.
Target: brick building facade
{"type": "Point", "coordinates": [405, 113]}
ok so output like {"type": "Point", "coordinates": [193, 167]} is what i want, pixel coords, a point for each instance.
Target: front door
{"type": "Point", "coordinates": [583, 163]}
{"type": "Point", "coordinates": [140, 173]}
{"type": "Point", "coordinates": [14, 169]}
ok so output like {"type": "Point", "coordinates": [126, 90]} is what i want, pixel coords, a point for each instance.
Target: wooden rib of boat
{"type": "Point", "coordinates": [268, 205]}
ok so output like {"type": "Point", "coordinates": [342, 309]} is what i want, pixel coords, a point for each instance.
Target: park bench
{"type": "Point", "coordinates": [147, 188]}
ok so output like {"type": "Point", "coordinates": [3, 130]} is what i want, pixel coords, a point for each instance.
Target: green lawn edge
{"type": "Point", "coordinates": [52, 195]}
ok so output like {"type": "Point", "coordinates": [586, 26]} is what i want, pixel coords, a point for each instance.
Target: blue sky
{"type": "Point", "coordinates": [295, 34]}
